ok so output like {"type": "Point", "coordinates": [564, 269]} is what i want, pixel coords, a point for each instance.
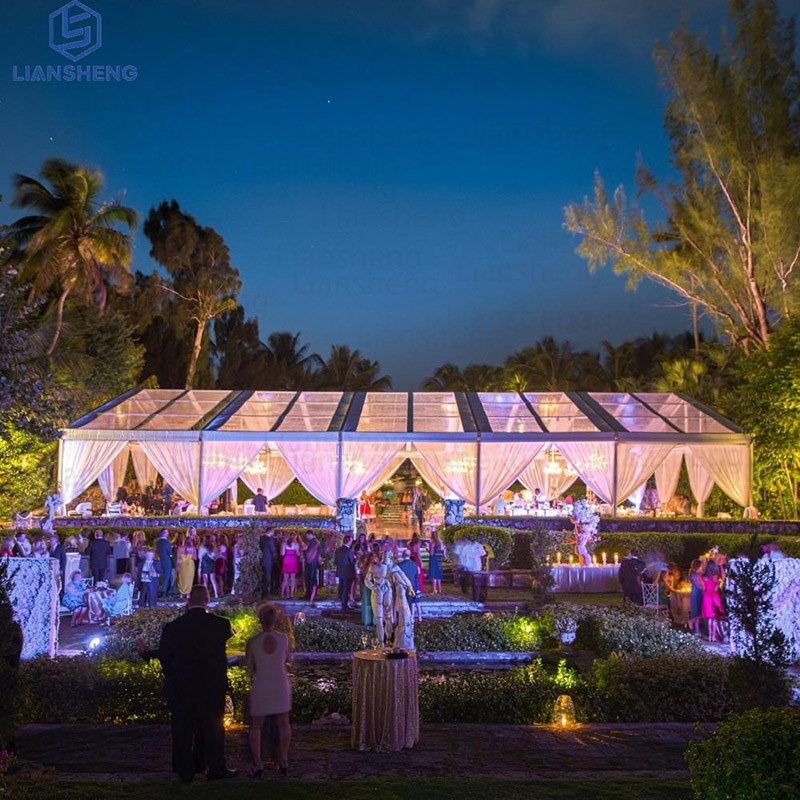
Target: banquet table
{"type": "Point", "coordinates": [572, 578]}
{"type": "Point", "coordinates": [385, 702]}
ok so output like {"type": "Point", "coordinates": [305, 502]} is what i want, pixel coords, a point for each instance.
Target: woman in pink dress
{"type": "Point", "coordinates": [414, 548]}
{"type": "Point", "coordinates": [290, 566]}
{"type": "Point", "coordinates": [712, 610]}
{"type": "Point", "coordinates": [221, 563]}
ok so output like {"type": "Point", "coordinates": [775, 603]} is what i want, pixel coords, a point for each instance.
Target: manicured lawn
{"type": "Point", "coordinates": [389, 789]}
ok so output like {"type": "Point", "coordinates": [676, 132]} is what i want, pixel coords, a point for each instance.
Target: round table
{"type": "Point", "coordinates": [385, 702]}
{"type": "Point", "coordinates": [586, 579]}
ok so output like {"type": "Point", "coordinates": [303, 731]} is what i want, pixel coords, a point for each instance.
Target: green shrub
{"type": "Point", "coordinates": [628, 630]}
{"type": "Point", "coordinates": [145, 625]}
{"type": "Point", "coordinates": [327, 636]}
{"type": "Point", "coordinates": [501, 540]}
{"type": "Point", "coordinates": [750, 756]}
{"type": "Point", "coordinates": [518, 696]}
{"type": "Point", "coordinates": [668, 687]}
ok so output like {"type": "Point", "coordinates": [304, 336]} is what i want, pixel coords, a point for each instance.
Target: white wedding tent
{"type": "Point", "coordinates": [466, 445]}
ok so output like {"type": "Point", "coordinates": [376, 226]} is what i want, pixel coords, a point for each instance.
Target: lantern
{"type": "Point", "coordinates": [299, 618]}
{"type": "Point", "coordinates": [564, 711]}
{"type": "Point", "coordinates": [227, 719]}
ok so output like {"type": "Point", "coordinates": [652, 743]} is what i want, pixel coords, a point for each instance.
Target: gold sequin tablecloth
{"type": "Point", "coordinates": [385, 702]}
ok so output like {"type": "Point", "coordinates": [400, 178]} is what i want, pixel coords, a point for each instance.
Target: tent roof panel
{"type": "Point", "coordinates": [260, 412]}
{"type": "Point", "coordinates": [313, 411]}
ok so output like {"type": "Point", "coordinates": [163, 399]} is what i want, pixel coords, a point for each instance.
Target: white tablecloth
{"type": "Point", "coordinates": [586, 579]}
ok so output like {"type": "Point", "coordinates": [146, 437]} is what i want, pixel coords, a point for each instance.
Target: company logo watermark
{"type": "Point", "coordinates": [76, 31]}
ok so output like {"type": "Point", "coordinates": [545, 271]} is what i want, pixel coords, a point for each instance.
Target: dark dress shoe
{"type": "Point", "coordinates": [222, 776]}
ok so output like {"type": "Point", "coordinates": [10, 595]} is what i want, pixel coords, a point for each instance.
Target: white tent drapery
{"type": "Point", "coordinates": [113, 476]}
{"type": "Point", "coordinates": [269, 472]}
{"type": "Point", "coordinates": [635, 464]}
{"type": "Point", "coordinates": [594, 463]}
{"type": "Point", "coordinates": [223, 462]}
{"type": "Point", "coordinates": [146, 473]}
{"type": "Point", "coordinates": [700, 481]}
{"type": "Point", "coordinates": [667, 475]}
{"type": "Point", "coordinates": [82, 461]}
{"type": "Point", "coordinates": [729, 468]}
{"type": "Point", "coordinates": [177, 462]}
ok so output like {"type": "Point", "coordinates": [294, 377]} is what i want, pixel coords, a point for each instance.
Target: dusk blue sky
{"type": "Point", "coordinates": [389, 175]}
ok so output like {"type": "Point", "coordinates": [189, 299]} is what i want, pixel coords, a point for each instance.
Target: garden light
{"type": "Point", "coordinates": [95, 643]}
{"type": "Point", "coordinates": [564, 711]}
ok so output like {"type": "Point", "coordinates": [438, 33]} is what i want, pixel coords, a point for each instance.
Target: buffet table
{"type": "Point", "coordinates": [573, 578]}
{"type": "Point", "coordinates": [385, 702]}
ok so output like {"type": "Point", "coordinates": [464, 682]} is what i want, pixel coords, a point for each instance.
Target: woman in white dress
{"type": "Point", "coordinates": [270, 693]}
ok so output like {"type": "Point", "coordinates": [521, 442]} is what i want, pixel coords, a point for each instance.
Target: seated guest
{"type": "Point", "coordinates": [74, 599]}
{"type": "Point", "coordinates": [117, 603]}
{"type": "Point", "coordinates": [630, 577]}
{"type": "Point", "coordinates": [260, 502]}
{"type": "Point", "coordinates": [40, 549]}
{"type": "Point", "coordinates": [7, 549]}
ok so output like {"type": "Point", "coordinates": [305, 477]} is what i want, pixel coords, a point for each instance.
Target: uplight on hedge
{"type": "Point", "coordinates": [564, 711]}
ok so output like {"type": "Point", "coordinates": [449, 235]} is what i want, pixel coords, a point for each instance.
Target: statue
{"type": "Point", "coordinates": [389, 587]}
{"type": "Point", "coordinates": [586, 522]}
{"type": "Point", "coordinates": [52, 504]}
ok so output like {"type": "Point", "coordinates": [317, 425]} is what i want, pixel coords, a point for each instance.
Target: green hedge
{"type": "Point", "coordinates": [682, 548]}
{"type": "Point", "coordinates": [501, 540]}
{"type": "Point", "coordinates": [750, 756]}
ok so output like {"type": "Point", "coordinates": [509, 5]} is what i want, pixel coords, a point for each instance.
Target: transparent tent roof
{"type": "Point", "coordinates": [267, 415]}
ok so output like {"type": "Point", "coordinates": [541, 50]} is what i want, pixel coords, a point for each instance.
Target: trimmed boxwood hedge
{"type": "Point", "coordinates": [501, 540]}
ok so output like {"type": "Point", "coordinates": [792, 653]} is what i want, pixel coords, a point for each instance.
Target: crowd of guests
{"type": "Point", "coordinates": [706, 588]}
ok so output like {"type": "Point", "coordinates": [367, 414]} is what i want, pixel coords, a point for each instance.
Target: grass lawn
{"type": "Point", "coordinates": [369, 789]}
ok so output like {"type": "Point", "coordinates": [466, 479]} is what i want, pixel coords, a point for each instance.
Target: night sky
{"type": "Point", "coordinates": [389, 175]}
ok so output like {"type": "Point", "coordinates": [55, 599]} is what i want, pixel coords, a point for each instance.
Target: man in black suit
{"type": "Point", "coordinates": [630, 576]}
{"type": "Point", "coordinates": [58, 552]}
{"type": "Point", "coordinates": [345, 560]}
{"type": "Point", "coordinates": [269, 551]}
{"type": "Point", "coordinates": [164, 564]}
{"type": "Point", "coordinates": [195, 666]}
{"type": "Point", "coordinates": [260, 502]}
{"type": "Point", "coordinates": [98, 551]}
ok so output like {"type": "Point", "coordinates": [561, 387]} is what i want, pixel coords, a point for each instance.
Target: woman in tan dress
{"type": "Point", "coordinates": [185, 564]}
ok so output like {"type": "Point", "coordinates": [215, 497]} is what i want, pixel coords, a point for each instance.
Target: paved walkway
{"type": "Point", "coordinates": [137, 752]}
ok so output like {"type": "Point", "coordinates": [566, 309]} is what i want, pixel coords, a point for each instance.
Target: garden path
{"type": "Point", "coordinates": [140, 752]}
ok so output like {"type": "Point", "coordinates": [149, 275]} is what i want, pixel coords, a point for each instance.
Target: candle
{"type": "Point", "coordinates": [571, 559]}
{"type": "Point", "coordinates": [594, 561]}
{"type": "Point", "coordinates": [558, 557]}
{"type": "Point", "coordinates": [616, 558]}
{"type": "Point", "coordinates": [604, 559]}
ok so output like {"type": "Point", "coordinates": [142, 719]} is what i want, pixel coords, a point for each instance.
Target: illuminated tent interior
{"type": "Point", "coordinates": [465, 445]}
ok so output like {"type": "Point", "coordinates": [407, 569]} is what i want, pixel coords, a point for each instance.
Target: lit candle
{"type": "Point", "coordinates": [571, 559]}
{"type": "Point", "coordinates": [604, 559]}
{"type": "Point", "coordinates": [594, 561]}
{"type": "Point", "coordinates": [616, 559]}
{"type": "Point", "coordinates": [558, 556]}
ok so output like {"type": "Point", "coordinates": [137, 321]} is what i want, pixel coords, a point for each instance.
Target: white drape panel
{"type": "Point", "coordinates": [363, 462]}
{"type": "Point", "coordinates": [729, 466]}
{"type": "Point", "coordinates": [432, 479]}
{"type": "Point", "coordinates": [82, 461]}
{"type": "Point", "coordinates": [455, 465]}
{"type": "Point", "coordinates": [502, 463]}
{"type": "Point", "coordinates": [637, 495]}
{"type": "Point", "coordinates": [146, 473]}
{"type": "Point", "coordinates": [223, 463]}
{"type": "Point", "coordinates": [268, 471]}
{"type": "Point", "coordinates": [636, 463]}
{"type": "Point", "coordinates": [113, 476]}
{"type": "Point", "coordinates": [700, 481]}
{"type": "Point", "coordinates": [177, 463]}
{"type": "Point", "coordinates": [385, 474]}
{"type": "Point", "coordinates": [552, 484]}
{"type": "Point", "coordinates": [594, 463]}
{"type": "Point", "coordinates": [667, 475]}
{"type": "Point", "coordinates": [314, 464]}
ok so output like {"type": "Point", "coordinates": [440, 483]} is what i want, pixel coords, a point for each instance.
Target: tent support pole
{"type": "Point", "coordinates": [60, 477]}
{"type": "Point", "coordinates": [478, 477]}
{"type": "Point", "coordinates": [750, 485]}
{"type": "Point", "coordinates": [200, 477]}
{"type": "Point", "coordinates": [339, 468]}
{"type": "Point", "coordinates": [616, 471]}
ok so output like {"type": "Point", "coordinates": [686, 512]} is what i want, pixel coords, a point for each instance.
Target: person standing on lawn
{"type": "Point", "coordinates": [345, 560]}
{"type": "Point", "coordinates": [195, 665]}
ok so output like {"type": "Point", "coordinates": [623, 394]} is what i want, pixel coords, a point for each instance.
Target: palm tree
{"type": "Point", "coordinates": [474, 378]}
{"type": "Point", "coordinates": [348, 371]}
{"type": "Point", "coordinates": [291, 366]}
{"type": "Point", "coordinates": [71, 244]}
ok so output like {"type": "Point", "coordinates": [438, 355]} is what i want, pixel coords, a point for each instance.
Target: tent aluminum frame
{"type": "Point", "coordinates": [343, 426]}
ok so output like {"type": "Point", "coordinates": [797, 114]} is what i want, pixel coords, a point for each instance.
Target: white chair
{"type": "Point", "coordinates": [81, 510]}
{"type": "Point", "coordinates": [249, 508]}
{"type": "Point", "coordinates": [650, 597]}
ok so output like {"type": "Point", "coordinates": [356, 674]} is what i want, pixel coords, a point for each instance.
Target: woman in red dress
{"type": "Point", "coordinates": [414, 548]}
{"type": "Point", "coordinates": [221, 563]}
